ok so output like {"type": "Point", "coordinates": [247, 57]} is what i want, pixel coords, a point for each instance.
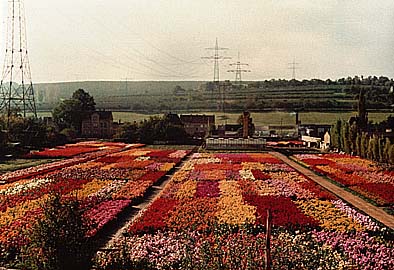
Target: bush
{"type": "Point", "coordinates": [58, 240]}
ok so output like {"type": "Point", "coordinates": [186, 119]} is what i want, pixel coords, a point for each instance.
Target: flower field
{"type": "Point", "coordinates": [70, 150]}
{"type": "Point", "coordinates": [360, 175]}
{"type": "Point", "coordinates": [212, 215]}
{"type": "Point", "coordinates": [105, 182]}
{"type": "Point", "coordinates": [96, 150]}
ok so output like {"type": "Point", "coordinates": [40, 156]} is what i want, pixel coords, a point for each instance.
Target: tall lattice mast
{"type": "Point", "coordinates": [16, 88]}
{"type": "Point", "coordinates": [216, 58]}
{"type": "Point", "coordinates": [294, 66]}
{"type": "Point", "coordinates": [238, 71]}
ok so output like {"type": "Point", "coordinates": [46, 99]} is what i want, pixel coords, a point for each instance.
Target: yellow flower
{"type": "Point", "coordinates": [329, 217]}
{"type": "Point", "coordinates": [167, 166]}
{"type": "Point", "coordinates": [91, 187]}
{"type": "Point", "coordinates": [187, 190]}
{"type": "Point", "coordinates": [231, 207]}
{"type": "Point", "coordinates": [19, 211]}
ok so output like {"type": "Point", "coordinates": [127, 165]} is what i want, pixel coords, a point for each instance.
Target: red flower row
{"type": "Point", "coordinates": [207, 189]}
{"type": "Point", "coordinates": [153, 176]}
{"type": "Point", "coordinates": [160, 153]}
{"type": "Point", "coordinates": [384, 191]}
{"type": "Point", "coordinates": [154, 218]}
{"type": "Point", "coordinates": [346, 179]}
{"type": "Point", "coordinates": [317, 161]}
{"type": "Point", "coordinates": [63, 152]}
{"type": "Point", "coordinates": [105, 212]}
{"type": "Point", "coordinates": [284, 212]}
{"type": "Point", "coordinates": [259, 175]}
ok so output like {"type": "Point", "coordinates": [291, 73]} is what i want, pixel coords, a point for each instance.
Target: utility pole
{"type": "Point", "coordinates": [16, 87]}
{"type": "Point", "coordinates": [238, 71]}
{"type": "Point", "coordinates": [216, 57]}
{"type": "Point", "coordinates": [126, 80]}
{"type": "Point", "coordinates": [294, 66]}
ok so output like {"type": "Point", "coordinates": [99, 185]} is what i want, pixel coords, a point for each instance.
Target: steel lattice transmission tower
{"type": "Point", "coordinates": [16, 87]}
{"type": "Point", "coordinates": [216, 58]}
{"type": "Point", "coordinates": [238, 71]}
{"type": "Point", "coordinates": [294, 66]}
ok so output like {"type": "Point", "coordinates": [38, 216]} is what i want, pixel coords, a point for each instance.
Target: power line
{"type": "Point", "coordinates": [238, 71]}
{"type": "Point", "coordinates": [165, 66]}
{"type": "Point", "coordinates": [216, 57]}
{"type": "Point", "coordinates": [294, 66]}
{"type": "Point", "coordinates": [160, 70]}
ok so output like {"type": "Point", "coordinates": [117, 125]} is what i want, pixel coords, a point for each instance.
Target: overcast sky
{"type": "Point", "coordinates": [165, 39]}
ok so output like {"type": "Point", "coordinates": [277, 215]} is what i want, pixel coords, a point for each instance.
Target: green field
{"type": "Point", "coordinates": [17, 164]}
{"type": "Point", "coordinates": [260, 118]}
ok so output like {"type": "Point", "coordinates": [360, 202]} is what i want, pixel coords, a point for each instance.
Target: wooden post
{"type": "Point", "coordinates": [268, 241]}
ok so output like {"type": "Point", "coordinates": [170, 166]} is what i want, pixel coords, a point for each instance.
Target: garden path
{"type": "Point", "coordinates": [371, 210]}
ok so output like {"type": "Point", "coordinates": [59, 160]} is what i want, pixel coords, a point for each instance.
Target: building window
{"type": "Point", "coordinates": [95, 118]}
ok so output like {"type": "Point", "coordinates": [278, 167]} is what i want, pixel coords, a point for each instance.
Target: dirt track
{"type": "Point", "coordinates": [369, 209]}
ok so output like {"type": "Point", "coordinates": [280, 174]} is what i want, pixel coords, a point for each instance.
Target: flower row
{"type": "Point", "coordinates": [224, 249]}
{"type": "Point", "coordinates": [362, 176]}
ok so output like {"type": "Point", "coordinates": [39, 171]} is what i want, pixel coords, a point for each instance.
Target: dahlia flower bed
{"type": "Point", "coordinates": [70, 150]}
{"type": "Point", "coordinates": [98, 150]}
{"type": "Point", "coordinates": [204, 219]}
{"type": "Point", "coordinates": [103, 188]}
{"type": "Point", "coordinates": [360, 175]}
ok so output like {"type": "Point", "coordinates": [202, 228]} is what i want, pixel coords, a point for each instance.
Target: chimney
{"type": "Point", "coordinates": [246, 116]}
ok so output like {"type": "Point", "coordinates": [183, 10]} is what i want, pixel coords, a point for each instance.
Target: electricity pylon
{"type": "Point", "coordinates": [216, 57]}
{"type": "Point", "coordinates": [16, 87]}
{"type": "Point", "coordinates": [238, 71]}
{"type": "Point", "coordinates": [294, 66]}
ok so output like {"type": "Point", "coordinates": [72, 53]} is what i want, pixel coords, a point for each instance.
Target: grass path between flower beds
{"type": "Point", "coordinates": [371, 210]}
{"type": "Point", "coordinates": [124, 222]}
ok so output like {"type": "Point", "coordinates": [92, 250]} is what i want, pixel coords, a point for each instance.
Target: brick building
{"type": "Point", "coordinates": [99, 124]}
{"type": "Point", "coordinates": [198, 125]}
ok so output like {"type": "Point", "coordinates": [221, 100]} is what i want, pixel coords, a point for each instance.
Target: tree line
{"type": "Point", "coordinates": [364, 139]}
{"type": "Point", "coordinates": [376, 147]}
{"type": "Point", "coordinates": [356, 80]}
{"type": "Point", "coordinates": [156, 129]}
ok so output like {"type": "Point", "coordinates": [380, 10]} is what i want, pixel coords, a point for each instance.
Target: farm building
{"type": "Point", "coordinates": [99, 124]}
{"type": "Point", "coordinates": [198, 125]}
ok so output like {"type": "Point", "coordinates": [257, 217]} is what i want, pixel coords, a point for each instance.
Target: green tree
{"type": "Point", "coordinates": [85, 99]}
{"type": "Point", "coordinates": [70, 113]}
{"type": "Point", "coordinates": [58, 240]}
{"type": "Point", "coordinates": [353, 132]}
{"type": "Point", "coordinates": [128, 132]}
{"type": "Point", "coordinates": [358, 144]}
{"type": "Point", "coordinates": [391, 154]}
{"type": "Point", "coordinates": [373, 149]}
{"type": "Point", "coordinates": [336, 134]}
{"type": "Point", "coordinates": [386, 150]}
{"type": "Point", "coordinates": [345, 138]}
{"type": "Point", "coordinates": [154, 129]}
{"type": "Point", "coordinates": [3, 143]}
{"type": "Point", "coordinates": [362, 110]}
{"type": "Point", "coordinates": [364, 145]}
{"type": "Point", "coordinates": [381, 149]}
